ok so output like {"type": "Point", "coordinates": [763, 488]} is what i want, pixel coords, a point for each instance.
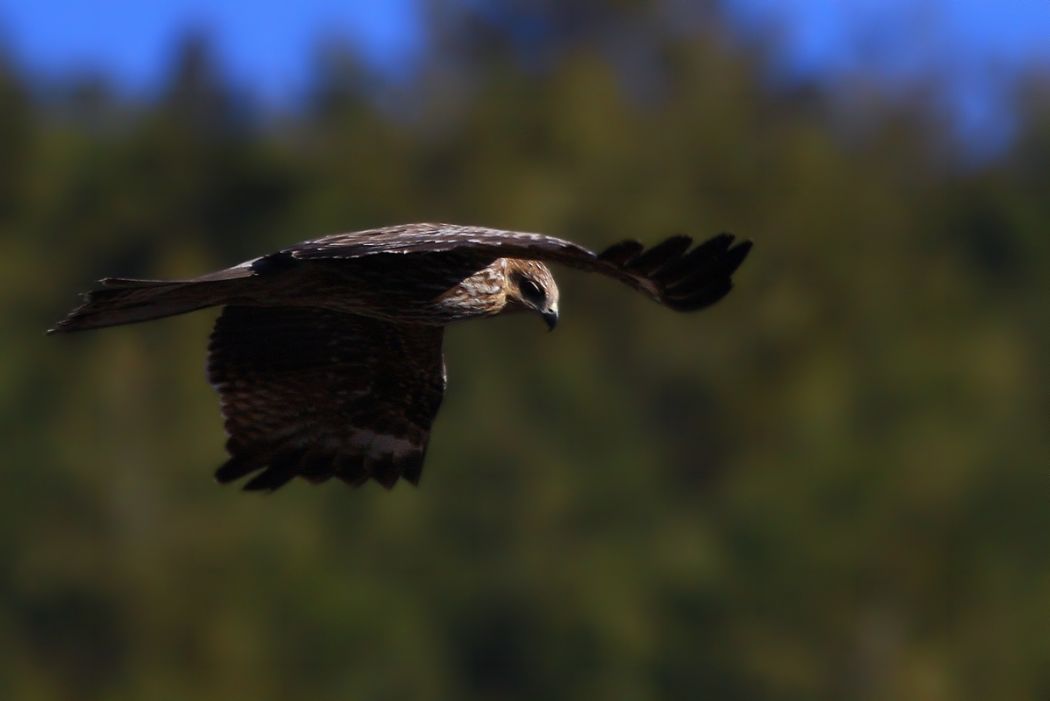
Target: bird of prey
{"type": "Point", "coordinates": [327, 354]}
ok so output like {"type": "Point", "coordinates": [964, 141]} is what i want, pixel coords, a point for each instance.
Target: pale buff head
{"type": "Point", "coordinates": [530, 287]}
{"type": "Point", "coordinates": [506, 285]}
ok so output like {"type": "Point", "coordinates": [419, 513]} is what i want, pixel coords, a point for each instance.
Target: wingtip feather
{"type": "Point", "coordinates": [621, 253]}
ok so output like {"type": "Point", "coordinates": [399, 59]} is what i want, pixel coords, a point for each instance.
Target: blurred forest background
{"type": "Point", "coordinates": [833, 485]}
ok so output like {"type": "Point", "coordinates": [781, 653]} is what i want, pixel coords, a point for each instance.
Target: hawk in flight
{"type": "Point", "coordinates": [327, 355]}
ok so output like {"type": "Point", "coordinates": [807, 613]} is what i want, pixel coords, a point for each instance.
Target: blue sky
{"type": "Point", "coordinates": [266, 45]}
{"type": "Point", "coordinates": [975, 46]}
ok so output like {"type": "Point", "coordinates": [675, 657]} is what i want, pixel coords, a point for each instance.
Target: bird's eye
{"type": "Point", "coordinates": [530, 290]}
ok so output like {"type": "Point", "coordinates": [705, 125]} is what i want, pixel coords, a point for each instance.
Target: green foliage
{"type": "Point", "coordinates": [832, 485]}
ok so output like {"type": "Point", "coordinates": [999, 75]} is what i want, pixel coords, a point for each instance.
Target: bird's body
{"type": "Point", "coordinates": [327, 356]}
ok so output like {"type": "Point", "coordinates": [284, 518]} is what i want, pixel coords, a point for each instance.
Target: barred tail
{"type": "Point", "coordinates": [124, 301]}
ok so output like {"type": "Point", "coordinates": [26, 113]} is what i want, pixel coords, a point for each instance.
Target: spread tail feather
{"type": "Point", "coordinates": [125, 301]}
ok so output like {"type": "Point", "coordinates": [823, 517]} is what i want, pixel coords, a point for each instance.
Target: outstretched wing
{"type": "Point", "coordinates": [674, 272]}
{"type": "Point", "coordinates": [319, 394]}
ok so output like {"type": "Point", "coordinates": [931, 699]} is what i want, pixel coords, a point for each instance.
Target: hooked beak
{"type": "Point", "coordinates": [551, 317]}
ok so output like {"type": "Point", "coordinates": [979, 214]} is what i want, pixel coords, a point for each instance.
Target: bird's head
{"type": "Point", "coordinates": [531, 287]}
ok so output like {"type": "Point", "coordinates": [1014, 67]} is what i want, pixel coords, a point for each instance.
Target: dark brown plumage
{"type": "Point", "coordinates": [327, 356]}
